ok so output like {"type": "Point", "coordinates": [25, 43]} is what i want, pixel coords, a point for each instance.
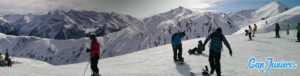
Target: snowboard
{"type": "Point", "coordinates": [180, 62]}
{"type": "Point", "coordinates": [199, 74]}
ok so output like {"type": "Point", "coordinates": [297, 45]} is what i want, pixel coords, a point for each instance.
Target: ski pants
{"type": "Point", "coordinates": [94, 63]}
{"type": "Point", "coordinates": [250, 36]}
{"type": "Point", "coordinates": [298, 36]}
{"type": "Point", "coordinates": [253, 34]}
{"type": "Point", "coordinates": [214, 61]}
{"type": "Point", "coordinates": [177, 54]}
{"type": "Point", "coordinates": [277, 34]}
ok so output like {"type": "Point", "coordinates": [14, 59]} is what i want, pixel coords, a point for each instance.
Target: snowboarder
{"type": "Point", "coordinates": [197, 50]}
{"type": "Point", "coordinates": [215, 50]}
{"type": "Point", "coordinates": [94, 52]}
{"type": "Point", "coordinates": [277, 28]}
{"type": "Point", "coordinates": [298, 32]}
{"type": "Point", "coordinates": [288, 29]}
{"type": "Point", "coordinates": [254, 30]}
{"type": "Point", "coordinates": [176, 45]}
{"type": "Point", "coordinates": [249, 32]}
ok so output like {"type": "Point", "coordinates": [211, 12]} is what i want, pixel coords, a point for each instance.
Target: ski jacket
{"type": "Point", "coordinates": [176, 39]}
{"type": "Point", "coordinates": [6, 56]}
{"type": "Point", "coordinates": [200, 47]}
{"type": "Point", "coordinates": [277, 27]}
{"type": "Point", "coordinates": [216, 42]}
{"type": "Point", "coordinates": [255, 28]}
{"type": "Point", "coordinates": [288, 27]}
{"type": "Point", "coordinates": [298, 29]}
{"type": "Point", "coordinates": [250, 29]}
{"type": "Point", "coordinates": [95, 48]}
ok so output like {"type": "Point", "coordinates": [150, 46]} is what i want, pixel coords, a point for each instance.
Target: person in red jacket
{"type": "Point", "coordinates": [94, 52]}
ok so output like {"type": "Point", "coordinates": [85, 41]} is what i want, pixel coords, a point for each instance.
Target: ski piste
{"type": "Point", "coordinates": [47, 38]}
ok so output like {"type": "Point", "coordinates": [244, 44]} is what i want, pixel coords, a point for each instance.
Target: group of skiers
{"type": "Point", "coordinates": [250, 31]}
{"type": "Point", "coordinates": [216, 38]}
{"type": "Point", "coordinates": [6, 61]}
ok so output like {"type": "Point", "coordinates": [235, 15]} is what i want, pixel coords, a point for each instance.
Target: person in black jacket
{"type": "Point", "coordinates": [277, 29]}
{"type": "Point", "coordinates": [215, 50]}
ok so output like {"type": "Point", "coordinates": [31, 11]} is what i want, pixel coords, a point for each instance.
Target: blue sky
{"type": "Point", "coordinates": [136, 8]}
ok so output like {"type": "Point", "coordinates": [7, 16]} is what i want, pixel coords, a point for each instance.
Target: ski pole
{"type": "Point", "coordinates": [86, 68]}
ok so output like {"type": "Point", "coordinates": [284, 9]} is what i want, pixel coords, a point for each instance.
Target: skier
{"type": "Point", "coordinates": [249, 32]}
{"type": "Point", "coordinates": [254, 30]}
{"type": "Point", "coordinates": [176, 45]}
{"type": "Point", "coordinates": [197, 49]}
{"type": "Point", "coordinates": [215, 50]}
{"type": "Point", "coordinates": [94, 52]}
{"type": "Point", "coordinates": [6, 55]}
{"type": "Point", "coordinates": [298, 32]}
{"type": "Point", "coordinates": [7, 59]}
{"type": "Point", "coordinates": [277, 28]}
{"type": "Point", "coordinates": [288, 29]}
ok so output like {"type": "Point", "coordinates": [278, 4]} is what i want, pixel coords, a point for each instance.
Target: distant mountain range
{"type": "Point", "coordinates": [60, 24]}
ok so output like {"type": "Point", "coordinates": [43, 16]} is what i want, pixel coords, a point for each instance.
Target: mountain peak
{"type": "Point", "coordinates": [180, 8]}
{"type": "Point", "coordinates": [177, 11]}
{"type": "Point", "coordinates": [59, 12]}
{"type": "Point", "coordinates": [269, 10]}
{"type": "Point", "coordinates": [276, 4]}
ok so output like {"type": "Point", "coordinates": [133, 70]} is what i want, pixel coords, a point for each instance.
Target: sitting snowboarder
{"type": "Point", "coordinates": [197, 50]}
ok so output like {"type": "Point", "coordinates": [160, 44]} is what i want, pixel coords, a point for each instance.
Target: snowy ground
{"type": "Point", "coordinates": [158, 61]}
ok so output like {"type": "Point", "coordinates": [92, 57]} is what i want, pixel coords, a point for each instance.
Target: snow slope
{"type": "Point", "coordinates": [291, 17]}
{"type": "Point", "coordinates": [158, 61]}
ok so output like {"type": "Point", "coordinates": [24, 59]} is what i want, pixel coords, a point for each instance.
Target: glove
{"type": "Point", "coordinates": [88, 50]}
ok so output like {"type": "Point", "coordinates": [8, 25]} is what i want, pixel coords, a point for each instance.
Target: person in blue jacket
{"type": "Point", "coordinates": [176, 45]}
{"type": "Point", "coordinates": [215, 50]}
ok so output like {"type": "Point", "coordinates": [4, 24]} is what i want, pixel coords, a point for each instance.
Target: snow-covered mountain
{"type": "Point", "coordinates": [290, 17]}
{"type": "Point", "coordinates": [52, 51]}
{"type": "Point", "coordinates": [246, 17]}
{"type": "Point", "coordinates": [158, 61]}
{"type": "Point", "coordinates": [151, 32]}
{"type": "Point", "coordinates": [72, 24]}
{"type": "Point", "coordinates": [242, 17]}
{"type": "Point", "coordinates": [158, 29]}
{"type": "Point", "coordinates": [6, 28]}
